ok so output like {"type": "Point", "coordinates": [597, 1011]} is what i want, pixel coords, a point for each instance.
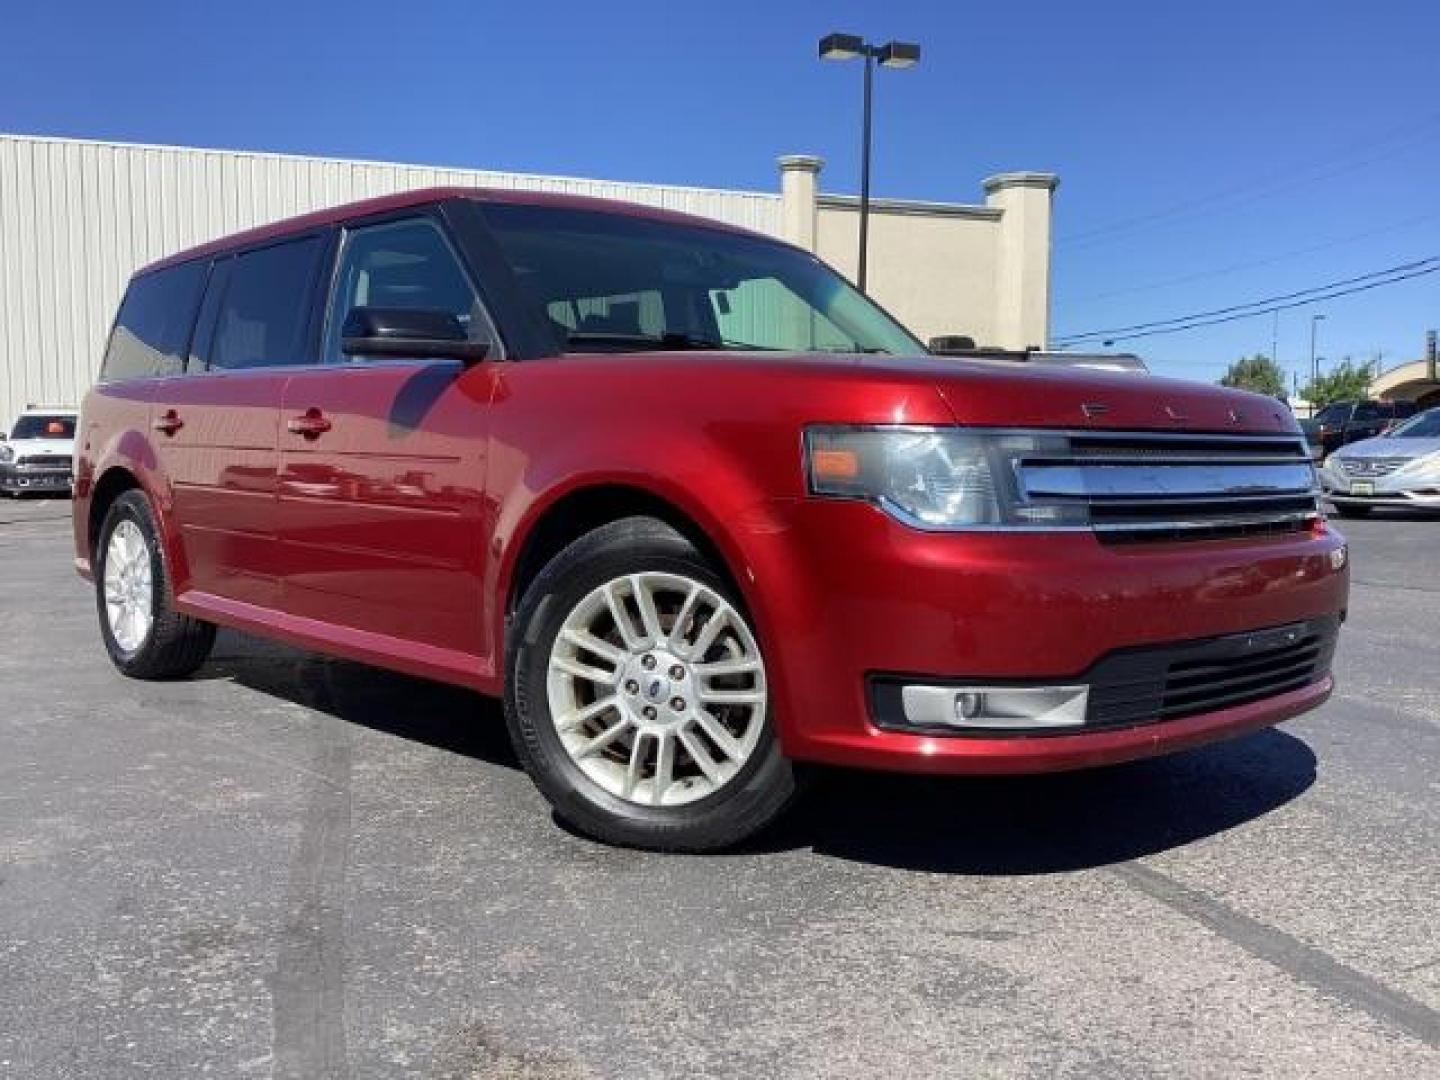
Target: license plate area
{"type": "Point", "coordinates": [1362, 487]}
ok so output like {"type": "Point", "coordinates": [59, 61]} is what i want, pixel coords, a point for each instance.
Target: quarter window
{"type": "Point", "coordinates": [153, 326]}
{"type": "Point", "coordinates": [263, 312]}
{"type": "Point", "coordinates": [402, 264]}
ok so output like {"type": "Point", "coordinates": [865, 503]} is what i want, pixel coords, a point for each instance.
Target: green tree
{"type": "Point", "coordinates": [1258, 373]}
{"type": "Point", "coordinates": [1346, 381]}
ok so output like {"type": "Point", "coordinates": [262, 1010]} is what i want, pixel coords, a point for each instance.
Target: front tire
{"type": "Point", "coordinates": [143, 633]}
{"type": "Point", "coordinates": [636, 695]}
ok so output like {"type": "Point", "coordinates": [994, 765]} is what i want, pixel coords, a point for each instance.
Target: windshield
{"type": "Point", "coordinates": [1425, 425]}
{"type": "Point", "coordinates": [611, 282]}
{"type": "Point", "coordinates": [44, 427]}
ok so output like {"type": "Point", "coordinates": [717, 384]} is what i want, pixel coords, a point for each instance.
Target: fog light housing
{"type": "Point", "coordinates": [1012, 708]}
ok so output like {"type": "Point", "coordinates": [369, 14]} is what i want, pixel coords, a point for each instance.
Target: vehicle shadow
{"type": "Point", "coordinates": [1048, 823]}
{"type": "Point", "coordinates": [958, 825]}
{"type": "Point", "coordinates": [446, 717]}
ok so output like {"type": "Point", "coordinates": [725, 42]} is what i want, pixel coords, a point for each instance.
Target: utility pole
{"type": "Point", "coordinates": [1315, 321]}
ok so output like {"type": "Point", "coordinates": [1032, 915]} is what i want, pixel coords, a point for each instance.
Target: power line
{"type": "Point", "coordinates": [1111, 331]}
{"type": "Point", "coordinates": [1242, 194]}
{"type": "Point", "coordinates": [1259, 311]}
{"type": "Point", "coordinates": [1268, 260]}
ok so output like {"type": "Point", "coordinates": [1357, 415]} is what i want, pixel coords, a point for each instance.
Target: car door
{"type": "Point", "coordinates": [380, 509]}
{"type": "Point", "coordinates": [217, 424]}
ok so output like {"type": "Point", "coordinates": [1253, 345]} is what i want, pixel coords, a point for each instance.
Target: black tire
{"type": "Point", "coordinates": [176, 644]}
{"type": "Point", "coordinates": [1352, 511]}
{"type": "Point", "coordinates": [749, 801]}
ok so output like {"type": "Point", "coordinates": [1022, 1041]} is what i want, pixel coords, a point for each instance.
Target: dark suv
{"type": "Point", "coordinates": [1344, 422]}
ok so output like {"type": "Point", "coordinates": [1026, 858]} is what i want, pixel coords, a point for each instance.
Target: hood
{"type": "Point", "coordinates": [1390, 448]}
{"type": "Point", "coordinates": [1007, 393]}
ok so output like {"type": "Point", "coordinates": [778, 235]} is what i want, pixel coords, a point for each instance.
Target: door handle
{"type": "Point", "coordinates": [169, 423]}
{"type": "Point", "coordinates": [311, 424]}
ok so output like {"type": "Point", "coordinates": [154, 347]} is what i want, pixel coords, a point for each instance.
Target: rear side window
{"type": "Point", "coordinates": [153, 326]}
{"type": "Point", "coordinates": [1367, 410]}
{"type": "Point", "coordinates": [263, 312]}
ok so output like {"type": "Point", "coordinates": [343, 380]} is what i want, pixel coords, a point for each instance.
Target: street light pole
{"type": "Point", "coordinates": [893, 54]}
{"type": "Point", "coordinates": [869, 61]}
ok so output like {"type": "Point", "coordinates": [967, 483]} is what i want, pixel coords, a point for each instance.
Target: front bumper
{"type": "Point", "coordinates": [1394, 489]}
{"type": "Point", "coordinates": [867, 598]}
{"type": "Point", "coordinates": [25, 478]}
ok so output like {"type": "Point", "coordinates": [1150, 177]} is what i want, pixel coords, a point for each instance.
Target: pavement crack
{"type": "Point", "coordinates": [1303, 963]}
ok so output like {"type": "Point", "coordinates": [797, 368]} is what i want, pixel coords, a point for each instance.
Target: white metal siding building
{"type": "Point", "coordinates": [78, 217]}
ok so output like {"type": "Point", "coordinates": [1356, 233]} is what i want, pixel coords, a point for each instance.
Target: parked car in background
{"type": "Point", "coordinates": [696, 507]}
{"type": "Point", "coordinates": [1344, 422]}
{"type": "Point", "coordinates": [1399, 468]}
{"type": "Point", "coordinates": [38, 455]}
{"type": "Point", "coordinates": [1310, 428]}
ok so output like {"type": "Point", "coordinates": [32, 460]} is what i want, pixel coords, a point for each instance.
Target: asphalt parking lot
{"type": "Point", "coordinates": [296, 867]}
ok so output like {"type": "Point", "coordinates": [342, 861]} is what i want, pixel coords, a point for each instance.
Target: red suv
{"type": "Point", "coordinates": [697, 508]}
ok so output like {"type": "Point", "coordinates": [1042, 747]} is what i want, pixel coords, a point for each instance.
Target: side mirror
{"type": "Point", "coordinates": [413, 333]}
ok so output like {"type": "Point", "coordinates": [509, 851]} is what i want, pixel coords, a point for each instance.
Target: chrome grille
{"type": "Point", "coordinates": [1369, 466]}
{"type": "Point", "coordinates": [53, 461]}
{"type": "Point", "coordinates": [1144, 486]}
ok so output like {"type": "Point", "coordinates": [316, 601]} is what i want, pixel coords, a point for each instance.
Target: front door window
{"type": "Point", "coordinates": [403, 264]}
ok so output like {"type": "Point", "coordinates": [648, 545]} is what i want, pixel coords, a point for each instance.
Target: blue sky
{"type": "Point", "coordinates": [1248, 148]}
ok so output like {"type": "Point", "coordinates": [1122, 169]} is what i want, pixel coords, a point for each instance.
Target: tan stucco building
{"type": "Point", "coordinates": [1414, 381]}
{"type": "Point", "coordinates": [77, 217]}
{"type": "Point", "coordinates": [941, 268]}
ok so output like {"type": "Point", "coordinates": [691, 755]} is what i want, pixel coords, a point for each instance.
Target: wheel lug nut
{"type": "Point", "coordinates": [677, 672]}
{"type": "Point", "coordinates": [678, 704]}
{"type": "Point", "coordinates": [632, 687]}
{"type": "Point", "coordinates": [649, 712]}
{"type": "Point", "coordinates": [647, 662]}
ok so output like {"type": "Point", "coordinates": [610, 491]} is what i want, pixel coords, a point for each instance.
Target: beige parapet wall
{"type": "Point", "coordinates": [77, 217]}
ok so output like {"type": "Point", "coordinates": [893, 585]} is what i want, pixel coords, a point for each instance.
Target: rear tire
{"type": "Point", "coordinates": [143, 633]}
{"type": "Point", "coordinates": [682, 764]}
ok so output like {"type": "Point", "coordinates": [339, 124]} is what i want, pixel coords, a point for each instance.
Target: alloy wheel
{"type": "Point", "coordinates": [129, 593]}
{"type": "Point", "coordinates": [656, 688]}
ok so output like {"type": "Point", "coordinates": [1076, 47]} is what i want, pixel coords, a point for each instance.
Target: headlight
{"type": "Point", "coordinates": [1429, 465]}
{"type": "Point", "coordinates": [937, 478]}
{"type": "Point", "coordinates": [7, 454]}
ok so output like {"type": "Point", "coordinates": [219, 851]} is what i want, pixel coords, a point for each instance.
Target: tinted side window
{"type": "Point", "coordinates": [264, 310]}
{"type": "Point", "coordinates": [153, 326]}
{"type": "Point", "coordinates": [1367, 410]}
{"type": "Point", "coordinates": [402, 264]}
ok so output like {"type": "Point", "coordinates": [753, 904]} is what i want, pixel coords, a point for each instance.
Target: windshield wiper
{"type": "Point", "coordinates": [666, 341]}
